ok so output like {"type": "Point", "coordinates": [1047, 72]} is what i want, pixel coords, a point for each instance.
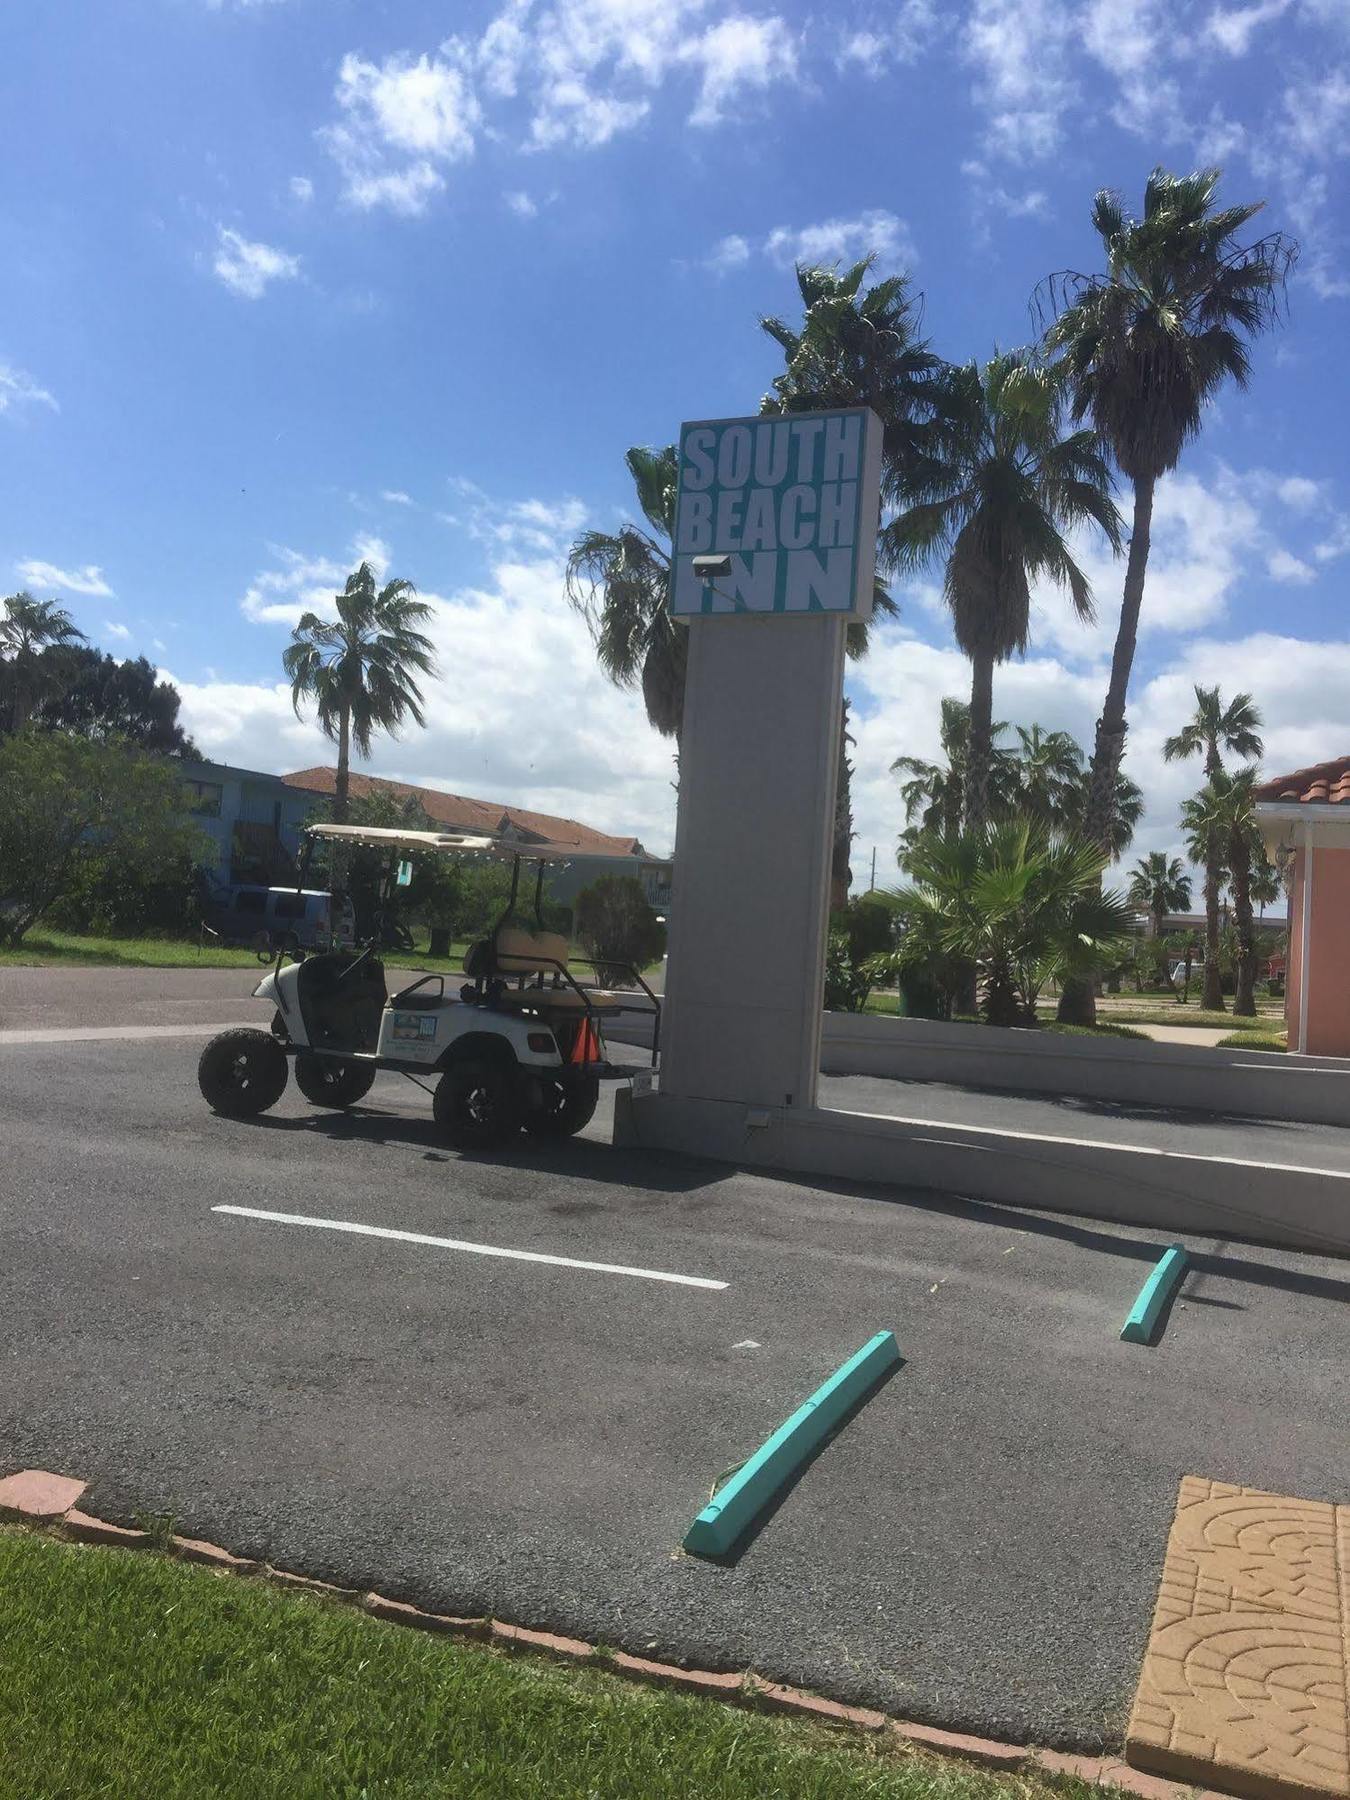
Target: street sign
{"type": "Point", "coordinates": [790, 503]}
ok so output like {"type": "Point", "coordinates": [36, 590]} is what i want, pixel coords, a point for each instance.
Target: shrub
{"type": "Point", "coordinates": [617, 928]}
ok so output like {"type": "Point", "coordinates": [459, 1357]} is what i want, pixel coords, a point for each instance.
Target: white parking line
{"type": "Point", "coordinates": [88, 1034]}
{"type": "Point", "coordinates": [440, 1243]}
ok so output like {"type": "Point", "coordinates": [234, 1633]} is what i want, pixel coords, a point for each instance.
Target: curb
{"type": "Point", "coordinates": [737, 1504]}
{"type": "Point", "coordinates": [1154, 1295]}
{"type": "Point", "coordinates": [26, 1498]}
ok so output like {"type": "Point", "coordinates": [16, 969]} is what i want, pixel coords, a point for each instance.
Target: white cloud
{"type": "Point", "coordinates": [88, 580]}
{"type": "Point", "coordinates": [1232, 27]}
{"type": "Point", "coordinates": [843, 240]}
{"type": "Point", "coordinates": [499, 735]}
{"type": "Point", "coordinates": [18, 390]}
{"type": "Point", "coordinates": [521, 204]}
{"type": "Point", "coordinates": [728, 253]}
{"type": "Point", "coordinates": [115, 630]}
{"type": "Point", "coordinates": [301, 584]}
{"type": "Point", "coordinates": [396, 497]}
{"type": "Point", "coordinates": [736, 54]}
{"type": "Point", "coordinates": [1282, 565]}
{"type": "Point", "coordinates": [1301, 493]}
{"type": "Point", "coordinates": [533, 527]}
{"type": "Point", "coordinates": [401, 119]}
{"type": "Point", "coordinates": [246, 267]}
{"type": "Point", "coordinates": [991, 200]}
{"type": "Point", "coordinates": [874, 49]}
{"type": "Point", "coordinates": [1019, 50]}
{"type": "Point", "coordinates": [302, 189]}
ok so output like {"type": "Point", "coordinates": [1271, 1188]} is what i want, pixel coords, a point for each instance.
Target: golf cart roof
{"type": "Point", "coordinates": [384, 837]}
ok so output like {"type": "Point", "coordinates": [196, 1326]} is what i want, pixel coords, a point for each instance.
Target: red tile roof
{"type": "Point", "coordinates": [458, 813]}
{"type": "Point", "coordinates": [1326, 784]}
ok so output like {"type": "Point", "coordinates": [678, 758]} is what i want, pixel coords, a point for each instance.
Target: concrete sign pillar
{"type": "Point", "coordinates": [774, 553]}
{"type": "Point", "coordinates": [758, 766]}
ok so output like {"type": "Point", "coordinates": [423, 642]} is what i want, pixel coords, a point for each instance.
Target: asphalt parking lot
{"type": "Point", "coordinates": [979, 1547]}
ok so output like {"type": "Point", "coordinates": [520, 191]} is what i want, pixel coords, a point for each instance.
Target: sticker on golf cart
{"type": "Point", "coordinates": [778, 515]}
{"type": "Point", "coordinates": [413, 1025]}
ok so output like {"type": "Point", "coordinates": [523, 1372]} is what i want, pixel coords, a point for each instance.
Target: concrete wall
{"type": "Point", "coordinates": [1293, 973]}
{"type": "Point", "coordinates": [1175, 1194]}
{"type": "Point", "coordinates": [1263, 1085]}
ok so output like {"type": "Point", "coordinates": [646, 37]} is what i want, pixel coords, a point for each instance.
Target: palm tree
{"type": "Point", "coordinates": [860, 346]}
{"type": "Point", "coordinates": [994, 501]}
{"type": "Point", "coordinates": [1226, 808]}
{"type": "Point", "coordinates": [1049, 767]}
{"type": "Point", "coordinates": [1127, 808]}
{"type": "Point", "coordinates": [618, 582]}
{"type": "Point", "coordinates": [1204, 821]}
{"type": "Point", "coordinates": [1159, 885]}
{"type": "Point", "coordinates": [934, 793]}
{"type": "Point", "coordinates": [1147, 346]}
{"type": "Point", "coordinates": [1211, 730]}
{"type": "Point", "coordinates": [360, 669]}
{"type": "Point", "coordinates": [27, 628]}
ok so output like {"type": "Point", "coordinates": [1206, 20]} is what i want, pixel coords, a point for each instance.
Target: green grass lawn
{"type": "Point", "coordinates": [888, 1006]}
{"type": "Point", "coordinates": [125, 1674]}
{"type": "Point", "coordinates": [1171, 1014]}
{"type": "Point", "coordinates": [43, 947]}
{"type": "Point", "coordinates": [1252, 1040]}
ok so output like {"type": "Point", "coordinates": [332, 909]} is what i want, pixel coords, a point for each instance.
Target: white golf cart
{"type": "Point", "coordinates": [518, 1047]}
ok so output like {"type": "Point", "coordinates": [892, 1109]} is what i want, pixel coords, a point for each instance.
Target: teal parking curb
{"type": "Point", "coordinates": [1154, 1295]}
{"type": "Point", "coordinates": [756, 1482]}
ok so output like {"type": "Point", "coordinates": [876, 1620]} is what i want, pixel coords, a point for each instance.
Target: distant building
{"type": "Point", "coordinates": [605, 854]}
{"type": "Point", "coordinates": [253, 820]}
{"type": "Point", "coordinates": [1304, 819]}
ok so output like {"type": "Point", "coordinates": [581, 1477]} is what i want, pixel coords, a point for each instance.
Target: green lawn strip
{"type": "Point", "coordinates": [125, 1673]}
{"type": "Point", "coordinates": [1252, 1040]}
{"type": "Point", "coordinates": [887, 1004]}
{"type": "Point", "coordinates": [1185, 1015]}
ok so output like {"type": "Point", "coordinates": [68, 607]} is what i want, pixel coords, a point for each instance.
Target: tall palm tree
{"type": "Point", "coordinates": [360, 669]}
{"type": "Point", "coordinates": [1211, 730]}
{"type": "Point", "coordinates": [860, 346]}
{"type": "Point", "coordinates": [1159, 885]}
{"type": "Point", "coordinates": [1127, 808]}
{"type": "Point", "coordinates": [995, 501]}
{"type": "Point", "coordinates": [1227, 808]}
{"type": "Point", "coordinates": [1147, 345]}
{"type": "Point", "coordinates": [1049, 767]}
{"type": "Point", "coordinates": [934, 792]}
{"type": "Point", "coordinates": [1204, 820]}
{"type": "Point", "coordinates": [27, 628]}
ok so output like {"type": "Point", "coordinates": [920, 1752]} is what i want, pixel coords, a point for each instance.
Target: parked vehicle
{"type": "Point", "coordinates": [267, 917]}
{"type": "Point", "coordinates": [518, 1048]}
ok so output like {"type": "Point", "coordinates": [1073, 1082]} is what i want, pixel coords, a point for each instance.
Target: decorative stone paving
{"type": "Point", "coordinates": [1244, 1682]}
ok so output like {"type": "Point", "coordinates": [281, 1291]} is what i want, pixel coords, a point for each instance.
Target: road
{"type": "Point", "coordinates": [979, 1547]}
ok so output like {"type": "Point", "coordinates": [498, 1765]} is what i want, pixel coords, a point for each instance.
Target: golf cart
{"type": "Point", "coordinates": [518, 1047]}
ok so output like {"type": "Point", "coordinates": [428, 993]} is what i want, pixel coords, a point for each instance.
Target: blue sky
{"type": "Point", "coordinates": [294, 281]}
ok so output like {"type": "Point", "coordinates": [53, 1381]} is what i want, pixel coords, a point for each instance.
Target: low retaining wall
{"type": "Point", "coordinates": [1297, 1209]}
{"type": "Point", "coordinates": [1251, 1083]}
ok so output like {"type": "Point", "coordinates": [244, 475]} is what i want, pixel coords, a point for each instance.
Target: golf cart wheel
{"type": "Point", "coordinates": [327, 1082]}
{"type": "Point", "coordinates": [261, 946]}
{"type": "Point", "coordinates": [567, 1106]}
{"type": "Point", "coordinates": [477, 1104]}
{"type": "Point", "coordinates": [242, 1073]}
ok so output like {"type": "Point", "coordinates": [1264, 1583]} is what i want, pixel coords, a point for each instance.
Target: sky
{"type": "Point", "coordinates": [293, 283]}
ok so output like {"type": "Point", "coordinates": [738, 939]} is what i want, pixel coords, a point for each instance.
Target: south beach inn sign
{"type": "Point", "coordinates": [792, 501]}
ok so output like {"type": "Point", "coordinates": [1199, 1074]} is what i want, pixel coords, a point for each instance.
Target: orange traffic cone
{"type": "Point", "coordinates": [586, 1045]}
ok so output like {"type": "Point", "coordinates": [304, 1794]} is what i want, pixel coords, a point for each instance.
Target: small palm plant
{"type": "Point", "coordinates": [1022, 907]}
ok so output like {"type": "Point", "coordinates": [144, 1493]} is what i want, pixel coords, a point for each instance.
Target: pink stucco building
{"type": "Point", "coordinates": [1305, 819]}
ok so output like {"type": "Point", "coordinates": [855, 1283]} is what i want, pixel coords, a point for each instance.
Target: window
{"type": "Point", "coordinates": [206, 798]}
{"type": "Point", "coordinates": [288, 906]}
{"type": "Point", "coordinates": [250, 900]}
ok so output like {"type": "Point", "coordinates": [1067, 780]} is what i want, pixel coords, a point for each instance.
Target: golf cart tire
{"type": "Point", "coordinates": [241, 1073]}
{"type": "Point", "coordinates": [568, 1107]}
{"type": "Point", "coordinates": [324, 1081]}
{"type": "Point", "coordinates": [477, 1104]}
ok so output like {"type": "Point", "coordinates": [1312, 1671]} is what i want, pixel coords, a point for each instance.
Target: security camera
{"type": "Point", "coordinates": [708, 568]}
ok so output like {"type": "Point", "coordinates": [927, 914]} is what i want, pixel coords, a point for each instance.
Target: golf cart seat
{"type": "Point", "coordinates": [519, 952]}
{"type": "Point", "coordinates": [568, 1000]}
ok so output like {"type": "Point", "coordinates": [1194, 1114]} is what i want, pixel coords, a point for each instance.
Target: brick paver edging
{"type": "Point", "coordinates": [47, 1502]}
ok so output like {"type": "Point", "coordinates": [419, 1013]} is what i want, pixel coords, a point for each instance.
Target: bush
{"type": "Point", "coordinates": [617, 928]}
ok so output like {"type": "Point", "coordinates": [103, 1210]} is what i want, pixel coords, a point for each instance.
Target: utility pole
{"type": "Point", "coordinates": [872, 885]}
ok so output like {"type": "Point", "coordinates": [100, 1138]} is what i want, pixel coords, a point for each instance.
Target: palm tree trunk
{"type": "Point", "coordinates": [1244, 1000]}
{"type": "Point", "coordinates": [981, 741]}
{"type": "Point", "coordinates": [840, 872]}
{"type": "Point", "coordinates": [1077, 1006]}
{"type": "Point", "coordinates": [341, 793]}
{"type": "Point", "coordinates": [1110, 741]}
{"type": "Point", "coordinates": [1212, 1000]}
